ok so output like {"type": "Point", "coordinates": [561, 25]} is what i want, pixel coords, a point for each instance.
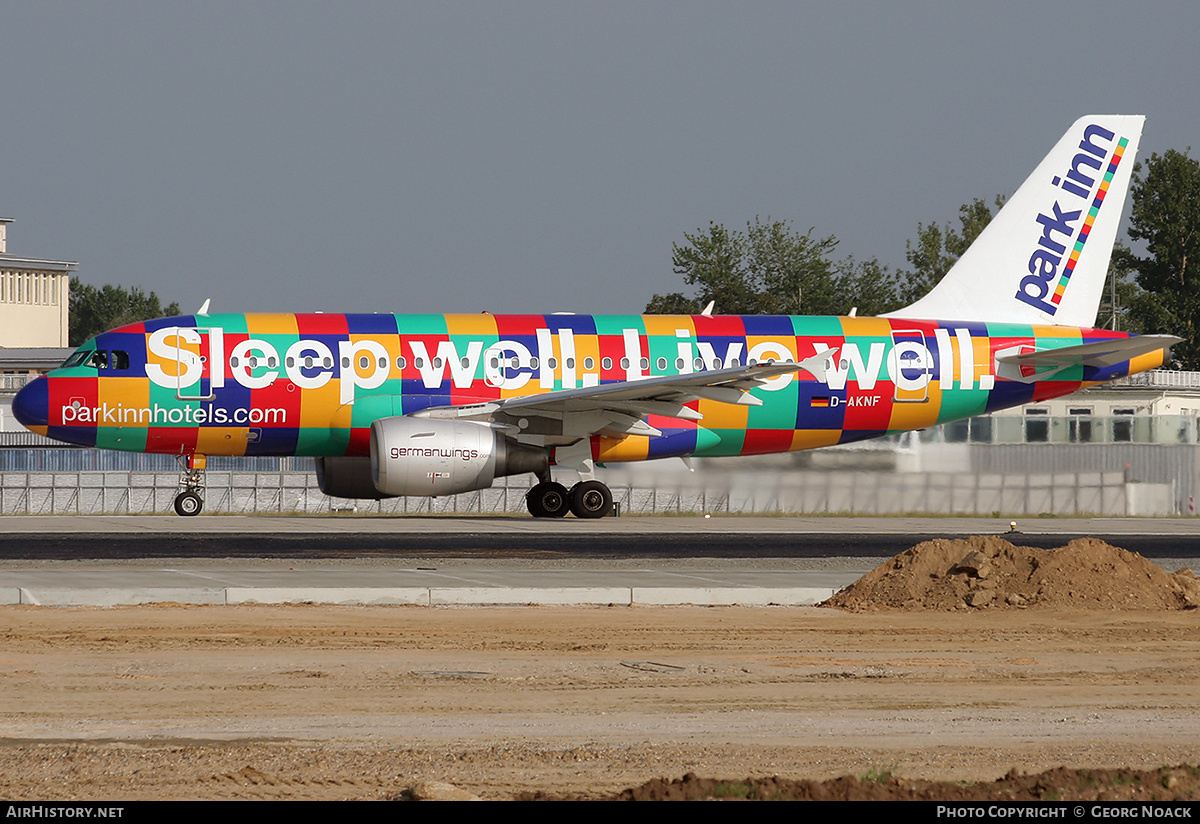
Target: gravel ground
{"type": "Point", "coordinates": [317, 702]}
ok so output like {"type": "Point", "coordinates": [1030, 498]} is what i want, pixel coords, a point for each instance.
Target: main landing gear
{"type": "Point", "coordinates": [587, 499]}
{"type": "Point", "coordinates": [188, 500]}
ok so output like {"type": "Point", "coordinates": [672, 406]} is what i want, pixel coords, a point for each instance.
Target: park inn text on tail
{"type": "Point", "coordinates": [440, 404]}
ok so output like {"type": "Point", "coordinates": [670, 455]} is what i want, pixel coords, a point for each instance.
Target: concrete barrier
{"type": "Point", "coordinates": [732, 596]}
{"type": "Point", "coordinates": [416, 596]}
{"type": "Point", "coordinates": [516, 596]}
{"type": "Point", "coordinates": [359, 596]}
{"type": "Point", "coordinates": [119, 596]}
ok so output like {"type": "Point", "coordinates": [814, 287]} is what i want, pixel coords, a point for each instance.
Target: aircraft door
{"type": "Point", "coordinates": [910, 364]}
{"type": "Point", "coordinates": [199, 351]}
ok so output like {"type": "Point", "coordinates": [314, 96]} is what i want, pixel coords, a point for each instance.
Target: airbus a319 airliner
{"type": "Point", "coordinates": [440, 404]}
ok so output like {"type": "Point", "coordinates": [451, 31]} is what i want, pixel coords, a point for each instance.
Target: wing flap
{"type": "Point", "coordinates": [657, 388]}
{"type": "Point", "coordinates": [618, 409]}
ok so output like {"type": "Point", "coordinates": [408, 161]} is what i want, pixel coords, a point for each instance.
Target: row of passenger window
{"type": "Point", "coordinates": [589, 363]}
{"type": "Point", "coordinates": [118, 359]}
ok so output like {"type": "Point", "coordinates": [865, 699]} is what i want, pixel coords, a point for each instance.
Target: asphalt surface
{"type": "Point", "coordinates": [227, 560]}
{"type": "Point", "coordinates": [138, 537]}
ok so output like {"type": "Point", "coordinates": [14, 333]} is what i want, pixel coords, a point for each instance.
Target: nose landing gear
{"type": "Point", "coordinates": [188, 500]}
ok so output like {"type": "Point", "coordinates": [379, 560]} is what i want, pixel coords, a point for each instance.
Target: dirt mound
{"type": "Point", "coordinates": [986, 572]}
{"type": "Point", "coordinates": [1060, 784]}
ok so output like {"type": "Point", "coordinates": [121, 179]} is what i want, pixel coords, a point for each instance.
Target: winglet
{"type": "Point", "coordinates": [204, 308]}
{"type": "Point", "coordinates": [707, 313]}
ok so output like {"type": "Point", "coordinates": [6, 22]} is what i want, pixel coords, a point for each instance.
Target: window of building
{"type": "Point", "coordinates": [957, 431]}
{"type": "Point", "coordinates": [971, 430]}
{"type": "Point", "coordinates": [981, 429]}
{"type": "Point", "coordinates": [1079, 424]}
{"type": "Point", "coordinates": [1037, 425]}
{"type": "Point", "coordinates": [1122, 424]}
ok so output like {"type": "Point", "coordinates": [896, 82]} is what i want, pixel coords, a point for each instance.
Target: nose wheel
{"type": "Point", "coordinates": [188, 500]}
{"type": "Point", "coordinates": [188, 503]}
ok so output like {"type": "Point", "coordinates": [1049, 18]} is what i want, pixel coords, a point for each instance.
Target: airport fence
{"type": "Point", "coordinates": [797, 493]}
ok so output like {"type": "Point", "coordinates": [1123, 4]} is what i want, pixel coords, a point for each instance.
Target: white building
{"type": "Point", "coordinates": [34, 325]}
{"type": "Point", "coordinates": [34, 294]}
{"type": "Point", "coordinates": [1159, 406]}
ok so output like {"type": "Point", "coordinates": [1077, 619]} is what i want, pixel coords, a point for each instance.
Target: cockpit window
{"type": "Point", "coordinates": [77, 357]}
{"type": "Point", "coordinates": [99, 359]}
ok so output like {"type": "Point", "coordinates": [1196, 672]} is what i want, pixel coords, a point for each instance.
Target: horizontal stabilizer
{"type": "Point", "coordinates": [1024, 364]}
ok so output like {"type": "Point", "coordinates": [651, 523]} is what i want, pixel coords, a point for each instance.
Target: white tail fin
{"type": "Point", "coordinates": [1044, 257]}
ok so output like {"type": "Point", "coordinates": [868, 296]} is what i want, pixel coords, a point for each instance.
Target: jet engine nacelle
{"type": "Point", "coordinates": [347, 477]}
{"type": "Point", "coordinates": [429, 456]}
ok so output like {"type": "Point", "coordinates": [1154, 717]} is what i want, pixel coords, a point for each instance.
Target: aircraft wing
{"type": "Point", "coordinates": [618, 409]}
{"type": "Point", "coordinates": [1022, 364]}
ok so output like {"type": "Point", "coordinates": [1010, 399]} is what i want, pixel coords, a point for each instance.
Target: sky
{"type": "Point", "coordinates": [534, 156]}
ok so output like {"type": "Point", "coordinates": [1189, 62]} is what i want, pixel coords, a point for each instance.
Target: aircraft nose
{"type": "Point", "coordinates": [31, 406]}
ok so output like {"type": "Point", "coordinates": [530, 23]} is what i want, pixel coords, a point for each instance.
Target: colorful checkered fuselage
{"type": "Point", "coordinates": [311, 384]}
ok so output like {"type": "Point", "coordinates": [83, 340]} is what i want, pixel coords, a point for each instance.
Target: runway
{"type": "Point", "coordinates": [108, 560]}
{"type": "Point", "coordinates": [129, 537]}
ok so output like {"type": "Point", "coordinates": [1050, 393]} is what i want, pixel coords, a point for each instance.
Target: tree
{"type": "Point", "coordinates": [94, 310]}
{"type": "Point", "coordinates": [773, 269]}
{"type": "Point", "coordinates": [1122, 296]}
{"type": "Point", "coordinates": [1166, 218]}
{"type": "Point", "coordinates": [866, 285]}
{"type": "Point", "coordinates": [711, 261]}
{"type": "Point", "coordinates": [937, 248]}
{"type": "Point", "coordinates": [769, 269]}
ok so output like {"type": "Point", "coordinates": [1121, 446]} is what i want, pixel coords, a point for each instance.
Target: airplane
{"type": "Point", "coordinates": [429, 405]}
